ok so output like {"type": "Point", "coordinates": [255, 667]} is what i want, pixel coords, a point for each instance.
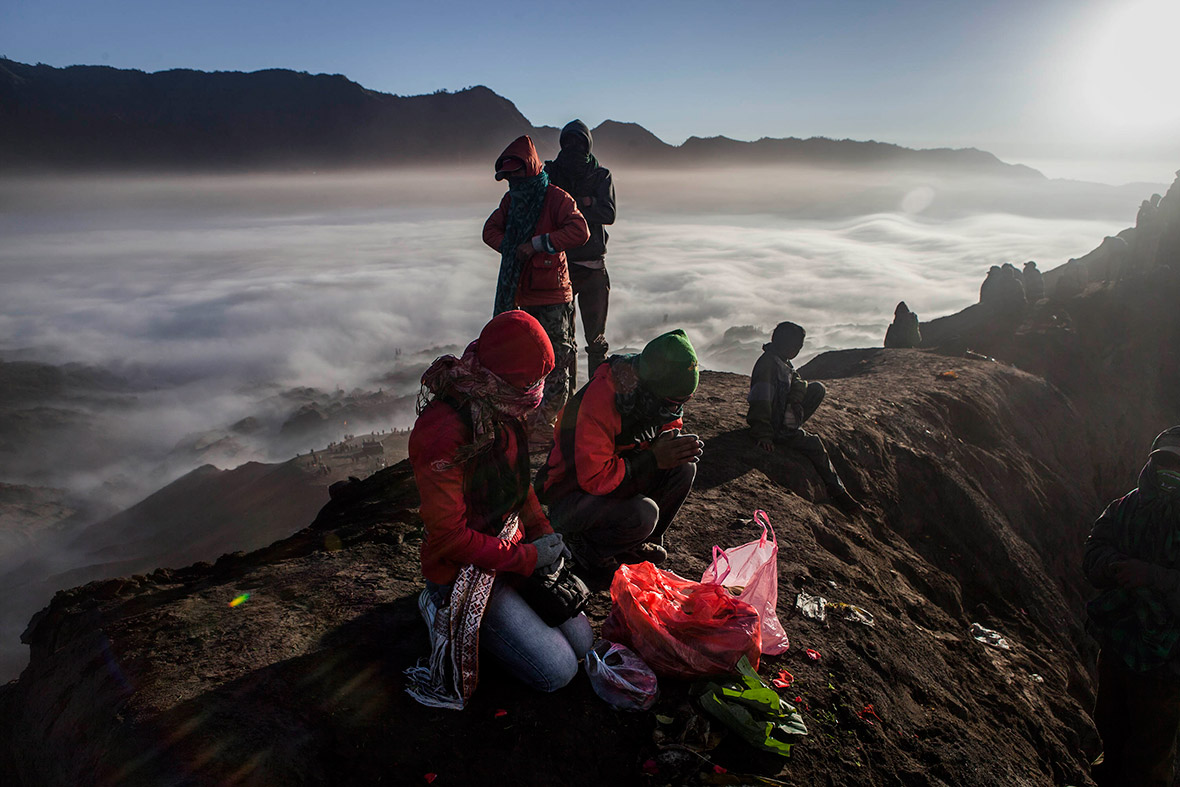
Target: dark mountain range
{"type": "Point", "coordinates": [102, 118]}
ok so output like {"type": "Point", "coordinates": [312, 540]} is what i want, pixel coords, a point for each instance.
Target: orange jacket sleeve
{"type": "Point", "coordinates": [493, 228]}
{"type": "Point", "coordinates": [449, 541]}
{"type": "Point", "coordinates": [601, 469]}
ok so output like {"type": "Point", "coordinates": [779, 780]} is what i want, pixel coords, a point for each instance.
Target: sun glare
{"type": "Point", "coordinates": [1129, 69]}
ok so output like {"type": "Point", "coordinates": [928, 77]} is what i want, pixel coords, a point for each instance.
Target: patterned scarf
{"type": "Point", "coordinates": [643, 413]}
{"type": "Point", "coordinates": [450, 677]}
{"type": "Point", "coordinates": [491, 398]}
{"type": "Point", "coordinates": [524, 209]}
{"type": "Point", "coordinates": [1138, 622]}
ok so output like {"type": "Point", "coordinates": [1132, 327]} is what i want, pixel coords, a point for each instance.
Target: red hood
{"type": "Point", "coordinates": [522, 148]}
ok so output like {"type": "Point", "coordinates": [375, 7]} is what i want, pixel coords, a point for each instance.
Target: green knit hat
{"type": "Point", "coordinates": [668, 366]}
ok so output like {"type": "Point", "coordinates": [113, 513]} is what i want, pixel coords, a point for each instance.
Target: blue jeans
{"type": "Point", "coordinates": [514, 635]}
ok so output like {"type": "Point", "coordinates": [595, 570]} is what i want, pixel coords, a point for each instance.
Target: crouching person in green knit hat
{"type": "Point", "coordinates": [620, 467]}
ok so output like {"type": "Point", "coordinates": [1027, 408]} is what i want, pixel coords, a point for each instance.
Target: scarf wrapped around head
{"type": "Point", "coordinates": [491, 398]}
{"type": "Point", "coordinates": [527, 197]}
{"type": "Point", "coordinates": [573, 163]}
{"type": "Point", "coordinates": [642, 412]}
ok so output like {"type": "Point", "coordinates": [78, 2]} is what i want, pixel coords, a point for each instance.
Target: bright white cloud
{"type": "Point", "coordinates": [204, 289]}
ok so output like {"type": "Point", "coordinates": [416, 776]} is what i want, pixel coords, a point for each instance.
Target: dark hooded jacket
{"type": "Point", "coordinates": [586, 179]}
{"type": "Point", "coordinates": [774, 387]}
{"type": "Point", "coordinates": [1140, 625]}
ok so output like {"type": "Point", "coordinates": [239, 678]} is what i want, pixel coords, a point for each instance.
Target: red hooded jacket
{"type": "Point", "coordinates": [450, 542]}
{"type": "Point", "coordinates": [545, 278]}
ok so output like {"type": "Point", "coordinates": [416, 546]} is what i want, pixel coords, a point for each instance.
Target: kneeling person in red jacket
{"type": "Point", "coordinates": [620, 469]}
{"type": "Point", "coordinates": [484, 526]}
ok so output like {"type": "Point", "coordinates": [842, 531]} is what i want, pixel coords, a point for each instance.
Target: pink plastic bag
{"type": "Point", "coordinates": [753, 568]}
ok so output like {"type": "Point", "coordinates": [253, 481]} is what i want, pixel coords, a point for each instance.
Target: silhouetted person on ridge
{"type": "Point", "coordinates": [1133, 557]}
{"type": "Point", "coordinates": [903, 331]}
{"type": "Point", "coordinates": [1034, 282]}
{"type": "Point", "coordinates": [578, 172]}
{"type": "Point", "coordinates": [781, 402]}
{"type": "Point", "coordinates": [1013, 271]}
{"type": "Point", "coordinates": [1010, 292]}
{"type": "Point", "coordinates": [533, 226]}
{"type": "Point", "coordinates": [989, 291]}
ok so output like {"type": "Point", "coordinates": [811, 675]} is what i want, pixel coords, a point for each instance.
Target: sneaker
{"type": "Point", "coordinates": [646, 552]}
{"type": "Point", "coordinates": [427, 608]}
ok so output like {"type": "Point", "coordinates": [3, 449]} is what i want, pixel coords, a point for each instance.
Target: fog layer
{"type": "Point", "coordinates": [209, 298]}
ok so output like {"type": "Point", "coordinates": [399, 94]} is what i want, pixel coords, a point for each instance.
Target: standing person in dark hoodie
{"type": "Point", "coordinates": [532, 227]}
{"type": "Point", "coordinates": [781, 402]}
{"type": "Point", "coordinates": [1133, 557]}
{"type": "Point", "coordinates": [578, 172]}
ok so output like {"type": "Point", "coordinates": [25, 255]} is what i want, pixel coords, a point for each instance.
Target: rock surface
{"type": "Point", "coordinates": [980, 490]}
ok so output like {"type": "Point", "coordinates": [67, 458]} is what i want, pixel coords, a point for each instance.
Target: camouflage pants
{"type": "Point", "coordinates": [558, 322]}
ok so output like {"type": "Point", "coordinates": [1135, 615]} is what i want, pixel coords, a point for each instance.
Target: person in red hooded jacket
{"type": "Point", "coordinates": [484, 526]}
{"type": "Point", "coordinates": [532, 228]}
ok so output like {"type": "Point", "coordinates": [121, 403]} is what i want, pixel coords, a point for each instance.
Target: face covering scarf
{"type": "Point", "coordinates": [524, 209]}
{"type": "Point", "coordinates": [490, 396]}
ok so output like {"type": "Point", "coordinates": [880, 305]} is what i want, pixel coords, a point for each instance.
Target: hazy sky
{"type": "Point", "coordinates": [1080, 88]}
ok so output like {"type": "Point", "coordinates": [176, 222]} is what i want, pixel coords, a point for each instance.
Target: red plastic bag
{"type": "Point", "coordinates": [681, 628]}
{"type": "Point", "coordinates": [753, 568]}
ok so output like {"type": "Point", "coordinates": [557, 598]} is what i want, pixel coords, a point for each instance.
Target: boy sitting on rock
{"type": "Point", "coordinates": [781, 402]}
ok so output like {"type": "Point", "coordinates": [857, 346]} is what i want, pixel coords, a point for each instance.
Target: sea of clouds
{"type": "Point", "coordinates": [210, 296]}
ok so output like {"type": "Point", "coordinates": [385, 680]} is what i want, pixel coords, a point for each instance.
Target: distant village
{"type": "Point", "coordinates": [366, 454]}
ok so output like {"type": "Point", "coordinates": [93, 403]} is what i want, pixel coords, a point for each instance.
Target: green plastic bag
{"type": "Point", "coordinates": [751, 708]}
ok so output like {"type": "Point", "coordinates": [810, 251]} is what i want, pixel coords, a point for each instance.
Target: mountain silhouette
{"type": "Point", "coordinates": [102, 118]}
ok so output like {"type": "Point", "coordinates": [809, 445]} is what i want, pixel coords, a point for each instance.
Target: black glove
{"type": "Point", "coordinates": [550, 547]}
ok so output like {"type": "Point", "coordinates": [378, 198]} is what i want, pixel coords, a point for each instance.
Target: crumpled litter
{"type": "Point", "coordinates": [810, 606]}
{"type": "Point", "coordinates": [989, 637]}
{"type": "Point", "coordinates": [853, 613]}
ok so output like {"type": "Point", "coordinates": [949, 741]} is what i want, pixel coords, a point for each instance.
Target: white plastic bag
{"type": "Point", "coordinates": [752, 569]}
{"type": "Point", "coordinates": [620, 677]}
